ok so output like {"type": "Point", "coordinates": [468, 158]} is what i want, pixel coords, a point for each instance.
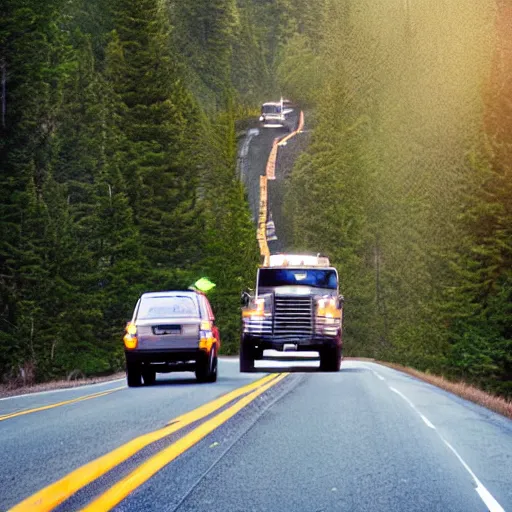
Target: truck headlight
{"type": "Point", "coordinates": [326, 308]}
{"type": "Point", "coordinates": [255, 310]}
{"type": "Point", "coordinates": [259, 308]}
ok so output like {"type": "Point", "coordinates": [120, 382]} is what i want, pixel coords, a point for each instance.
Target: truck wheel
{"type": "Point", "coordinates": [257, 353]}
{"type": "Point", "coordinates": [149, 377]}
{"type": "Point", "coordinates": [133, 375]}
{"type": "Point", "coordinates": [246, 356]}
{"type": "Point", "coordinates": [330, 359]}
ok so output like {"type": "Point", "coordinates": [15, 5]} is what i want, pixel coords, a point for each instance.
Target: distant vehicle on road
{"type": "Point", "coordinates": [171, 331]}
{"type": "Point", "coordinates": [297, 303]}
{"type": "Point", "coordinates": [276, 114]}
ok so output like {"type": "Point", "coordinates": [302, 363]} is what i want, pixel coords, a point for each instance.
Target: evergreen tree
{"type": "Point", "coordinates": [231, 249]}
{"type": "Point", "coordinates": [36, 60]}
{"type": "Point", "coordinates": [205, 32]}
{"type": "Point", "coordinates": [157, 116]}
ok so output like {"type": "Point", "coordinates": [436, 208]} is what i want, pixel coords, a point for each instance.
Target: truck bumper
{"type": "Point", "coordinates": [315, 343]}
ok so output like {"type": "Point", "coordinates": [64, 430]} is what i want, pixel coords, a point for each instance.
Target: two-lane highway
{"type": "Point", "coordinates": [365, 439]}
{"type": "Point", "coordinates": [44, 436]}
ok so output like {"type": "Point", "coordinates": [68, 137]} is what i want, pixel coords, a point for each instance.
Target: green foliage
{"type": "Point", "coordinates": [115, 180]}
{"type": "Point", "coordinates": [421, 235]}
{"type": "Point", "coordinates": [118, 151]}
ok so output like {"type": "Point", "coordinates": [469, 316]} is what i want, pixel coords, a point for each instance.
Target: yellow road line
{"type": "Point", "coordinates": [51, 496]}
{"type": "Point", "coordinates": [59, 404]}
{"type": "Point", "coordinates": [136, 478]}
{"type": "Point", "coordinates": [272, 160]}
{"type": "Point", "coordinates": [270, 174]}
{"type": "Point", "coordinates": [262, 221]}
{"type": "Point", "coordinates": [283, 141]}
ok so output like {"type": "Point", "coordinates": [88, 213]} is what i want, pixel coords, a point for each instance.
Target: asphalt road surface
{"type": "Point", "coordinates": [367, 438]}
{"type": "Point", "coordinates": [253, 156]}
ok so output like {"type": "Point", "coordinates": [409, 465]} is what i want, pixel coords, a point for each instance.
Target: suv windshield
{"type": "Point", "coordinates": [318, 278]}
{"type": "Point", "coordinates": [167, 307]}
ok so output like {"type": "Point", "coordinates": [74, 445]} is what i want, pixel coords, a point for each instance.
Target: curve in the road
{"type": "Point", "coordinates": [270, 175]}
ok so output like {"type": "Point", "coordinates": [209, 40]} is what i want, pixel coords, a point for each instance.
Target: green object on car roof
{"type": "Point", "coordinates": [204, 285]}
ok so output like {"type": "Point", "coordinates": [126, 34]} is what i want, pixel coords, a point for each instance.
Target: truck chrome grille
{"type": "Point", "coordinates": [293, 317]}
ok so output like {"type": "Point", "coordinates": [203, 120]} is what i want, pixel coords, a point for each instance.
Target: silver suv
{"type": "Point", "coordinates": [171, 331]}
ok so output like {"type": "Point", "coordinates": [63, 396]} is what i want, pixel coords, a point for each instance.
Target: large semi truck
{"type": "Point", "coordinates": [296, 303]}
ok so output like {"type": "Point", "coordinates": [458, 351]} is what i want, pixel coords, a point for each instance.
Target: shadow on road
{"type": "Point", "coordinates": [186, 381]}
{"type": "Point", "coordinates": [287, 369]}
{"type": "Point", "coordinates": [353, 370]}
{"type": "Point", "coordinates": [169, 381]}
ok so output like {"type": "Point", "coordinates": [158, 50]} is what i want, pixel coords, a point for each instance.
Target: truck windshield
{"type": "Point", "coordinates": [271, 109]}
{"type": "Point", "coordinates": [318, 278]}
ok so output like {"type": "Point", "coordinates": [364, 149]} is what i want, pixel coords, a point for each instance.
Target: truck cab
{"type": "Point", "coordinates": [296, 302]}
{"type": "Point", "coordinates": [277, 114]}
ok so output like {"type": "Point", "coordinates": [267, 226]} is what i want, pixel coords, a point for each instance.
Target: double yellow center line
{"type": "Point", "coordinates": [53, 495]}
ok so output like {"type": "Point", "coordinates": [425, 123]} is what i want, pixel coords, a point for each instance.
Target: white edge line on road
{"type": "Point", "coordinates": [484, 494]}
{"type": "Point", "coordinates": [427, 421]}
{"type": "Point", "coordinates": [75, 388]}
{"type": "Point", "coordinates": [408, 401]}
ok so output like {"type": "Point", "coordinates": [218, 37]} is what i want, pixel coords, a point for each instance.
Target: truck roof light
{"type": "Point", "coordinates": [298, 260]}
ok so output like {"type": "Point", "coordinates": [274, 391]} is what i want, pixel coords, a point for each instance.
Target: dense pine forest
{"type": "Point", "coordinates": [118, 153]}
{"type": "Point", "coordinates": [118, 146]}
{"type": "Point", "coordinates": [407, 183]}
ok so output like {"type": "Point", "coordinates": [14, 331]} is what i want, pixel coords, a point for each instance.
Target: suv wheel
{"type": "Point", "coordinates": [133, 375]}
{"type": "Point", "coordinates": [206, 366]}
{"type": "Point", "coordinates": [149, 376]}
{"type": "Point", "coordinates": [246, 356]}
{"type": "Point", "coordinates": [330, 359]}
{"type": "Point", "coordinates": [213, 370]}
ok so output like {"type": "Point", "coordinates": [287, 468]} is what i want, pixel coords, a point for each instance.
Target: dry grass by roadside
{"type": "Point", "coordinates": [6, 391]}
{"type": "Point", "coordinates": [461, 389]}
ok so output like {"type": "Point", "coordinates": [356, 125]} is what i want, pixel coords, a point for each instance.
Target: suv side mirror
{"type": "Point", "coordinates": [245, 298]}
{"type": "Point", "coordinates": [341, 301]}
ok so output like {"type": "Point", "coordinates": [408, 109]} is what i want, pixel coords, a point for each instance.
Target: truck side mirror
{"type": "Point", "coordinates": [245, 298]}
{"type": "Point", "coordinates": [341, 301]}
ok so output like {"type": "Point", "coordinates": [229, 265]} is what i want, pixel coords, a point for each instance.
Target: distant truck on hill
{"type": "Point", "coordinates": [278, 114]}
